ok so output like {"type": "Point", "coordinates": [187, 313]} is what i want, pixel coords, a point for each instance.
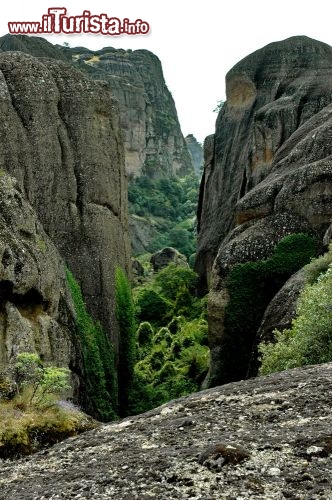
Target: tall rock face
{"type": "Point", "coordinates": [153, 141]}
{"type": "Point", "coordinates": [154, 144]}
{"type": "Point", "coordinates": [267, 171]}
{"type": "Point", "coordinates": [196, 153]}
{"type": "Point", "coordinates": [36, 312]}
{"type": "Point", "coordinates": [60, 138]}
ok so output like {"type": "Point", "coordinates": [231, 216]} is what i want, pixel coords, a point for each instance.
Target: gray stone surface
{"type": "Point", "coordinates": [142, 233]}
{"type": "Point", "coordinates": [268, 168]}
{"type": "Point", "coordinates": [36, 312]}
{"type": "Point", "coordinates": [268, 438]}
{"type": "Point", "coordinates": [272, 148]}
{"type": "Point", "coordinates": [60, 137]}
{"type": "Point", "coordinates": [153, 140]}
{"type": "Point", "coordinates": [196, 153]}
{"type": "Point", "coordinates": [154, 144]}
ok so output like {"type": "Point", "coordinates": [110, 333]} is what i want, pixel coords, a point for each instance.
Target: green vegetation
{"type": "Point", "coordinates": [32, 417]}
{"type": "Point", "coordinates": [98, 359]}
{"type": "Point", "coordinates": [171, 203]}
{"type": "Point", "coordinates": [125, 315]}
{"type": "Point", "coordinates": [309, 340]}
{"type": "Point", "coordinates": [39, 384]}
{"type": "Point", "coordinates": [172, 352]}
{"type": "Point", "coordinates": [164, 122]}
{"type": "Point", "coordinates": [251, 286]}
{"type": "Point", "coordinates": [220, 105]}
{"type": "Point", "coordinates": [25, 430]}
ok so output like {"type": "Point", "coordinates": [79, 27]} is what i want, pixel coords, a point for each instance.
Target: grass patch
{"type": "Point", "coordinates": [25, 431]}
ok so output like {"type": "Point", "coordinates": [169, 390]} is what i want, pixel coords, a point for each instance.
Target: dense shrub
{"type": "Point", "coordinates": [173, 278]}
{"type": "Point", "coordinates": [251, 286]}
{"type": "Point", "coordinates": [172, 355]}
{"type": "Point", "coordinates": [151, 305]}
{"type": "Point", "coordinates": [39, 385]}
{"type": "Point", "coordinates": [31, 413]}
{"type": "Point", "coordinates": [127, 343]}
{"type": "Point", "coordinates": [98, 359]}
{"type": "Point", "coordinates": [309, 340]}
{"type": "Point", "coordinates": [175, 365]}
{"type": "Point", "coordinates": [144, 334]}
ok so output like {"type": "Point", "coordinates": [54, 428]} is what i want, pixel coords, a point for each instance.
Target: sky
{"type": "Point", "coordinates": [196, 41]}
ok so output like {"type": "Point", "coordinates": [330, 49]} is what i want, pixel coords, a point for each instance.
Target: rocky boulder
{"type": "Point", "coordinates": [265, 438]}
{"type": "Point", "coordinates": [142, 232]}
{"type": "Point", "coordinates": [267, 168]}
{"type": "Point", "coordinates": [35, 46]}
{"type": "Point", "coordinates": [165, 256]}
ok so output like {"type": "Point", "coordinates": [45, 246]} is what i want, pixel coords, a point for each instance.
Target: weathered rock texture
{"type": "Point", "coordinates": [34, 45]}
{"type": "Point", "coordinates": [196, 153]}
{"type": "Point", "coordinates": [154, 144]}
{"type": "Point", "coordinates": [60, 137]}
{"type": "Point", "coordinates": [153, 141]}
{"type": "Point", "coordinates": [264, 439]}
{"type": "Point", "coordinates": [142, 232]}
{"type": "Point", "coordinates": [36, 312]}
{"type": "Point", "coordinates": [268, 167]}
{"type": "Point", "coordinates": [166, 256]}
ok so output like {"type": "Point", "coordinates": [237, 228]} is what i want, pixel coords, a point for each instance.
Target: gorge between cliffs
{"type": "Point", "coordinates": [165, 307]}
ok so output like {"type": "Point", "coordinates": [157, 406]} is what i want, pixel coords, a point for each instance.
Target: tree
{"type": "Point", "coordinates": [220, 105]}
{"type": "Point", "coordinates": [125, 315]}
{"type": "Point", "coordinates": [41, 383]}
{"type": "Point", "coordinates": [173, 278]}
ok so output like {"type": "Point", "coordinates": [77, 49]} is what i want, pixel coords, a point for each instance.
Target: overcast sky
{"type": "Point", "coordinates": [196, 41]}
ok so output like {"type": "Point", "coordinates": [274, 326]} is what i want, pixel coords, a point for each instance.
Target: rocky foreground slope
{"type": "Point", "coordinates": [268, 438]}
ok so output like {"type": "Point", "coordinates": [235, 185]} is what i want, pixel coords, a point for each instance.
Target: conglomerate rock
{"type": "Point", "coordinates": [36, 311]}
{"type": "Point", "coordinates": [268, 167]}
{"type": "Point", "coordinates": [60, 137]}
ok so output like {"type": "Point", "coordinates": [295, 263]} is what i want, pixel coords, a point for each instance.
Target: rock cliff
{"type": "Point", "coordinates": [60, 138]}
{"type": "Point", "coordinates": [36, 312]}
{"type": "Point", "coordinates": [154, 144]}
{"type": "Point", "coordinates": [267, 167]}
{"type": "Point", "coordinates": [265, 438]}
{"type": "Point", "coordinates": [33, 45]}
{"type": "Point", "coordinates": [153, 141]}
{"type": "Point", "coordinates": [196, 153]}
